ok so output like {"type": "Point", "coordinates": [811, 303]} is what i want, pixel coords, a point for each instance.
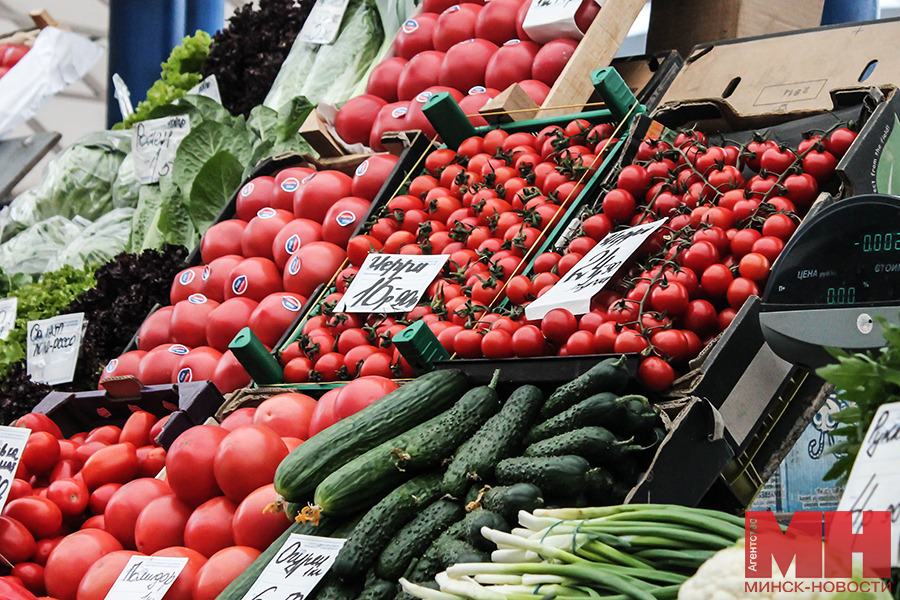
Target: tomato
{"type": "Point", "coordinates": [100, 577]}
{"type": "Point", "coordinates": [297, 370]}
{"type": "Point", "coordinates": [454, 25]}
{"type": "Point", "coordinates": [288, 414]}
{"type": "Point", "coordinates": [497, 343]}
{"type": "Point", "coordinates": [239, 418]}
{"type": "Point", "coordinates": [780, 226]}
{"type": "Point", "coordinates": [768, 246]}
{"type": "Point", "coordinates": [360, 393]}
{"type": "Point", "coordinates": [32, 577]}
{"type": "Point", "coordinates": [151, 460]}
{"type": "Point", "coordinates": [392, 117]}
{"type": "Point", "coordinates": [291, 237]}
{"type": "Point", "coordinates": [226, 320]}
{"type": "Point", "coordinates": [208, 529]}
{"type": "Point", "coordinates": [16, 542]}
{"type": "Point", "coordinates": [619, 205]}
{"type": "Point", "coordinates": [259, 235]}
{"type": "Point", "coordinates": [42, 549]}
{"type": "Point", "coordinates": [671, 298]}
{"type": "Point", "coordinates": [38, 422]}
{"type": "Point", "coordinates": [126, 504]}
{"type": "Point", "coordinates": [221, 569]}
{"type": "Point", "coordinates": [371, 174]}
{"type": "Point", "coordinates": [253, 278]}
{"type": "Point", "coordinates": [415, 36]}
{"type": "Point", "coordinates": [343, 218]}
{"type": "Point", "coordinates": [313, 264]}
{"type": "Point", "coordinates": [528, 341]}
{"type": "Point", "coordinates": [558, 324]}
{"type": "Point", "coordinates": [116, 463]}
{"type": "Point", "coordinates": [743, 240]}
{"type": "Point", "coordinates": [69, 495]}
{"type": "Point", "coordinates": [187, 282]}
{"type": "Point", "coordinates": [189, 464]}
{"type": "Point", "coordinates": [630, 341]}
{"type": "Point", "coordinates": [155, 329]}
{"type": "Point", "coordinates": [41, 452]}
{"type": "Point", "coordinates": [256, 194]}
{"type": "Point", "coordinates": [317, 192]}
{"type": "Point", "coordinates": [754, 266]}
{"type": "Point", "coordinates": [715, 280]}
{"type": "Point", "coordinates": [497, 21]}
{"type": "Point", "coordinates": [254, 526]}
{"type": "Point", "coordinates": [100, 497]}
{"type": "Point", "coordinates": [286, 183]}
{"type": "Point", "coordinates": [699, 256]}
{"type": "Point", "coordinates": [222, 239]}
{"type": "Point", "coordinates": [354, 120]}
{"type": "Point", "coordinates": [230, 374]}
{"type": "Point", "coordinates": [536, 90]}
{"type": "Point", "coordinates": [323, 416]}
{"type": "Point", "coordinates": [551, 60]}
{"type": "Point", "coordinates": [838, 142]}
{"type": "Point", "coordinates": [581, 343]}
{"type": "Point", "coordinates": [161, 524]}
{"type": "Point", "coordinates": [189, 318]}
{"type": "Point", "coordinates": [510, 64]}
{"type": "Point", "coordinates": [274, 316]}
{"type": "Point", "coordinates": [71, 559]}
{"type": "Point", "coordinates": [465, 63]}
{"type": "Point", "coordinates": [420, 73]}
{"type": "Point", "coordinates": [137, 428]}
{"type": "Point", "coordinates": [739, 290]}
{"type": "Point", "coordinates": [18, 489]}
{"type": "Point", "coordinates": [383, 79]}
{"type": "Point", "coordinates": [776, 160]}
{"type": "Point", "coordinates": [700, 317]}
{"type": "Point", "coordinates": [820, 165]}
{"type": "Point", "coordinates": [246, 459]}
{"type": "Point", "coordinates": [655, 374]}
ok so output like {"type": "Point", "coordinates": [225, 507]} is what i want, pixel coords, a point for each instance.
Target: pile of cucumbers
{"type": "Point", "coordinates": [410, 480]}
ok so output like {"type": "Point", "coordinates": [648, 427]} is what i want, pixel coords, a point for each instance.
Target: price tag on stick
{"type": "Point", "coordinates": [7, 316]}
{"type": "Point", "coordinates": [154, 143]}
{"type": "Point", "coordinates": [209, 87]}
{"type": "Point", "coordinates": [575, 290]}
{"type": "Point", "coordinates": [391, 283]}
{"type": "Point", "coordinates": [52, 348]}
{"type": "Point", "coordinates": [297, 568]}
{"type": "Point", "coordinates": [12, 442]}
{"type": "Point", "coordinates": [324, 22]}
{"type": "Point", "coordinates": [147, 577]}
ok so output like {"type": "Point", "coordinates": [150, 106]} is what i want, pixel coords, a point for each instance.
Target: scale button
{"type": "Point", "coordinates": [865, 324]}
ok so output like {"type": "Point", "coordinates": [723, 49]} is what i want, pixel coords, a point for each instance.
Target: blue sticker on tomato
{"type": "Point", "coordinates": [179, 349]}
{"type": "Point", "coordinates": [290, 184]}
{"type": "Point", "coordinates": [186, 277]}
{"type": "Point", "coordinates": [294, 265]}
{"type": "Point", "coordinates": [111, 366]}
{"type": "Point", "coordinates": [185, 375]}
{"type": "Point", "coordinates": [197, 299]}
{"type": "Point", "coordinates": [240, 284]}
{"type": "Point", "coordinates": [291, 303]}
{"type": "Point", "coordinates": [345, 218]}
{"type": "Point", "coordinates": [292, 244]}
{"type": "Point", "coordinates": [247, 190]}
{"type": "Point", "coordinates": [410, 26]}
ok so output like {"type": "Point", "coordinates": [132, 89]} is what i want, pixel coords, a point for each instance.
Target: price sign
{"type": "Point", "coordinates": [294, 572]}
{"type": "Point", "coordinates": [154, 143]}
{"type": "Point", "coordinates": [391, 283]}
{"type": "Point", "coordinates": [575, 290]}
{"type": "Point", "coordinates": [872, 484]}
{"type": "Point", "coordinates": [12, 442]}
{"type": "Point", "coordinates": [147, 577]}
{"type": "Point", "coordinates": [52, 348]}
{"type": "Point", "coordinates": [209, 87]}
{"type": "Point", "coordinates": [548, 20]}
{"type": "Point", "coordinates": [7, 316]}
{"type": "Point", "coordinates": [324, 21]}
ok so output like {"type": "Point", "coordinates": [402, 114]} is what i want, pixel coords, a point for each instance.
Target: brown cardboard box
{"type": "Point", "coordinates": [682, 24]}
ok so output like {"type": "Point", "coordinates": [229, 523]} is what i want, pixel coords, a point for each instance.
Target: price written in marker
{"type": "Point", "coordinates": [297, 568]}
{"type": "Point", "coordinates": [324, 22]}
{"type": "Point", "coordinates": [391, 283]}
{"type": "Point", "coordinates": [52, 348]}
{"type": "Point", "coordinates": [12, 442]}
{"type": "Point", "coordinates": [146, 578]}
{"type": "Point", "coordinates": [154, 144]}
{"type": "Point", "coordinates": [7, 316]}
{"type": "Point", "coordinates": [209, 88]}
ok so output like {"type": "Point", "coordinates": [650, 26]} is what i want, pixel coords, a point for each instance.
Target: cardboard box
{"type": "Point", "coordinates": [682, 24]}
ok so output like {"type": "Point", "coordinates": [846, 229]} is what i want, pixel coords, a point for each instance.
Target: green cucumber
{"type": "Point", "coordinates": [415, 537]}
{"type": "Point", "coordinates": [407, 406]}
{"type": "Point", "coordinates": [600, 487]}
{"type": "Point", "coordinates": [368, 477]}
{"type": "Point", "coordinates": [379, 589]}
{"type": "Point", "coordinates": [499, 438]}
{"type": "Point", "coordinates": [479, 518]}
{"type": "Point", "coordinates": [608, 375]}
{"type": "Point", "coordinates": [557, 476]}
{"type": "Point", "coordinates": [507, 501]}
{"type": "Point", "coordinates": [332, 587]}
{"type": "Point", "coordinates": [625, 415]}
{"type": "Point", "coordinates": [383, 522]}
{"type": "Point", "coordinates": [597, 444]}
{"type": "Point", "coordinates": [452, 552]}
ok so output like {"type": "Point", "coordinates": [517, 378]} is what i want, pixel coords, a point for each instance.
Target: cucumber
{"type": "Point", "coordinates": [407, 406]}
{"type": "Point", "coordinates": [557, 476]}
{"type": "Point", "coordinates": [415, 537]}
{"type": "Point", "coordinates": [368, 477]}
{"type": "Point", "coordinates": [623, 415]}
{"type": "Point", "coordinates": [383, 522]}
{"type": "Point", "coordinates": [332, 587]}
{"type": "Point", "coordinates": [451, 552]}
{"type": "Point", "coordinates": [597, 444]}
{"type": "Point", "coordinates": [479, 518]}
{"type": "Point", "coordinates": [379, 589]}
{"type": "Point", "coordinates": [608, 375]}
{"type": "Point", "coordinates": [499, 438]}
{"type": "Point", "coordinates": [600, 487]}
{"type": "Point", "coordinates": [507, 501]}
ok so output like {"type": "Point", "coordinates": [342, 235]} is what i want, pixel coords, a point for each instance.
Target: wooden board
{"type": "Point", "coordinates": [596, 50]}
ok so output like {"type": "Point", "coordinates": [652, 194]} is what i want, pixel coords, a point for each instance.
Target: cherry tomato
{"type": "Point", "coordinates": [655, 374]}
{"type": "Point", "coordinates": [739, 290]}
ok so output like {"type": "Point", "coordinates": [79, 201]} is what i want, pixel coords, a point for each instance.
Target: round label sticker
{"type": "Point", "coordinates": [423, 97]}
{"type": "Point", "coordinates": [410, 26]}
{"type": "Point", "coordinates": [186, 277]}
{"type": "Point", "coordinates": [345, 218]}
{"type": "Point", "coordinates": [291, 303]}
{"type": "Point", "coordinates": [206, 273]}
{"type": "Point", "coordinates": [399, 112]}
{"type": "Point", "coordinates": [197, 299]}
{"type": "Point", "coordinates": [512, 42]}
{"type": "Point", "coordinates": [290, 184]}
{"type": "Point", "coordinates": [111, 366]}
{"type": "Point", "coordinates": [178, 349]}
{"type": "Point", "coordinates": [453, 8]}
{"type": "Point", "coordinates": [308, 178]}
{"type": "Point", "coordinates": [240, 284]}
{"type": "Point", "coordinates": [248, 189]}
{"type": "Point", "coordinates": [185, 375]}
{"type": "Point", "coordinates": [294, 265]}
{"type": "Point", "coordinates": [265, 213]}
{"type": "Point", "coordinates": [478, 89]}
{"type": "Point", "coordinates": [362, 168]}
{"type": "Point", "coordinates": [292, 244]}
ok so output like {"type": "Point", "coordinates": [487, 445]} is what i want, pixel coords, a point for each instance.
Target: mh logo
{"type": "Point", "coordinates": [240, 284]}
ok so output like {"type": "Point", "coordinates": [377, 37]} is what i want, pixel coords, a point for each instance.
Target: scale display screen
{"type": "Point", "coordinates": [846, 256]}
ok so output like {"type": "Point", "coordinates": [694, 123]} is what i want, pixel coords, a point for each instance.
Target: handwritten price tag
{"type": "Point", "coordinates": [574, 291]}
{"type": "Point", "coordinates": [324, 22]}
{"type": "Point", "coordinates": [12, 442]}
{"type": "Point", "coordinates": [52, 348]}
{"type": "Point", "coordinates": [146, 578]}
{"type": "Point", "coordinates": [7, 316]}
{"type": "Point", "coordinates": [872, 484]}
{"type": "Point", "coordinates": [391, 283]}
{"type": "Point", "coordinates": [154, 143]}
{"type": "Point", "coordinates": [296, 570]}
{"type": "Point", "coordinates": [209, 87]}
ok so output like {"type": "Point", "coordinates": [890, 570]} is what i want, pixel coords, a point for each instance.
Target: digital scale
{"type": "Point", "coordinates": [839, 271]}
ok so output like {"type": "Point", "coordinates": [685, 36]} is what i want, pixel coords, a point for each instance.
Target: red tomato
{"type": "Point", "coordinates": [510, 64]}
{"type": "Point", "coordinates": [313, 264]}
{"type": "Point", "coordinates": [246, 459]}
{"type": "Point", "coordinates": [391, 117]}
{"type": "Point", "coordinates": [151, 460]}
{"type": "Point", "coordinates": [292, 236]}
{"type": "Point", "coordinates": [536, 90]}
{"type": "Point", "coordinates": [318, 192]}
{"type": "Point", "coordinates": [70, 495]}
{"type": "Point", "coordinates": [226, 320]}
{"type": "Point", "coordinates": [257, 193]}
{"type": "Point", "coordinates": [552, 59]}
{"type": "Point", "coordinates": [253, 278]}
{"type": "Point", "coordinates": [297, 370]}
{"type": "Point", "coordinates": [189, 464]}
{"type": "Point", "coordinates": [465, 63]}
{"type": "Point", "coordinates": [739, 290]}
{"type": "Point", "coordinates": [214, 275]}
{"type": "Point", "coordinates": [274, 315]}
{"type": "Point", "coordinates": [157, 429]}
{"type": "Point", "coordinates": [655, 373]}
{"type": "Point", "coordinates": [343, 218]}
{"type": "Point", "coordinates": [100, 497]}
{"type": "Point", "coordinates": [454, 25]}
{"type": "Point", "coordinates": [497, 21]}
{"type": "Point", "coordinates": [100, 577]}
{"type": "Point", "coordinates": [116, 463]}
{"type": "Point", "coordinates": [32, 577]}
{"type": "Point", "coordinates": [286, 183]}
{"type": "Point", "coordinates": [14, 54]}
{"type": "Point", "coordinates": [324, 415]}
{"type": "Point", "coordinates": [371, 174]}
{"type": "Point", "coordinates": [183, 587]}
{"type": "Point", "coordinates": [208, 529]}
{"type": "Point", "coordinates": [230, 374]}
{"type": "Point", "coordinates": [415, 36]}
{"type": "Point", "coordinates": [221, 569]}
{"type": "Point", "coordinates": [558, 324]}
{"type": "Point", "coordinates": [354, 120]}
{"type": "Point", "coordinates": [187, 282]}
{"type": "Point", "coordinates": [420, 73]}
{"type": "Point", "coordinates": [239, 418]}
{"type": "Point", "coordinates": [222, 239]}
{"type": "Point", "coordinates": [71, 559]}
{"type": "Point", "coordinates": [288, 414]}
{"type": "Point", "coordinates": [41, 452]}
{"type": "Point", "coordinates": [360, 393]}
{"type": "Point", "coordinates": [416, 119]}
{"type": "Point", "coordinates": [126, 505]}
{"type": "Point", "coordinates": [106, 433]}
{"type": "Point", "coordinates": [137, 428]}
{"type": "Point", "coordinates": [160, 524]}
{"type": "Point", "coordinates": [188, 324]}
{"type": "Point", "coordinates": [197, 365]}
{"type": "Point", "coordinates": [39, 422]}
{"type": "Point", "coordinates": [16, 542]}
{"type": "Point", "coordinates": [474, 101]}
{"type": "Point", "coordinates": [42, 549]}
{"type": "Point", "coordinates": [383, 79]}
{"type": "Point", "coordinates": [252, 525]}
{"type": "Point", "coordinates": [18, 489]}
{"type": "Point", "coordinates": [260, 232]}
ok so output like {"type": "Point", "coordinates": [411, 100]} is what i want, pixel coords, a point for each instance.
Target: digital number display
{"type": "Point", "coordinates": [880, 242]}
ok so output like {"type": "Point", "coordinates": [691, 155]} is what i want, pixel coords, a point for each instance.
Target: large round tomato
{"type": "Point", "coordinates": [510, 64]}
{"type": "Point", "coordinates": [126, 505]}
{"type": "Point", "coordinates": [324, 415]}
{"type": "Point", "coordinates": [313, 264]}
{"type": "Point", "coordinates": [456, 24]}
{"type": "Point", "coordinates": [551, 60]}
{"type": "Point", "coordinates": [197, 365]}
{"type": "Point", "coordinates": [71, 559]}
{"type": "Point", "coordinates": [214, 275]}
{"type": "Point", "coordinates": [100, 577]}
{"type": "Point", "coordinates": [116, 463]}
{"type": "Point", "coordinates": [253, 278]}
{"type": "Point", "coordinates": [39, 422]}
{"type": "Point", "coordinates": [230, 375]}
{"type": "Point", "coordinates": [246, 459]}
{"type": "Point", "coordinates": [70, 495]}
{"type": "Point", "coordinates": [465, 64]}
{"type": "Point", "coordinates": [253, 525]}
{"type": "Point", "coordinates": [189, 464]}
{"type": "Point", "coordinates": [391, 117]}
{"type": "Point", "coordinates": [477, 97]}
{"type": "Point", "coordinates": [222, 239]}
{"type": "Point", "coordinates": [274, 315]}
{"type": "Point", "coordinates": [160, 524]}
{"type": "Point", "coordinates": [41, 452]}
{"type": "Point", "coordinates": [371, 174]}
{"type": "Point", "coordinates": [227, 320]}
{"type": "Point", "coordinates": [257, 193]}
{"type": "Point", "coordinates": [286, 183]}
{"type": "Point", "coordinates": [16, 542]}
{"type": "Point", "coordinates": [536, 90]}
{"type": "Point", "coordinates": [416, 118]}
{"type": "Point", "coordinates": [420, 73]}
{"type": "Point", "coordinates": [239, 418]}
{"type": "Point", "coordinates": [383, 79]}
{"type": "Point", "coordinates": [183, 587]}
{"type": "Point", "coordinates": [260, 233]}
{"type": "Point", "coordinates": [187, 282]}
{"type": "Point", "coordinates": [126, 364]}
{"type": "Point", "coordinates": [318, 192]}
{"type": "Point", "coordinates": [354, 120]}
{"type": "Point", "coordinates": [188, 324]}
{"type": "Point", "coordinates": [208, 529]}
{"type": "Point", "coordinates": [497, 21]}
{"type": "Point", "coordinates": [360, 393]}
{"type": "Point", "coordinates": [415, 36]}
{"type": "Point", "coordinates": [288, 414]}
{"type": "Point", "coordinates": [343, 218]}
{"type": "Point", "coordinates": [291, 237]}
{"type": "Point", "coordinates": [221, 569]}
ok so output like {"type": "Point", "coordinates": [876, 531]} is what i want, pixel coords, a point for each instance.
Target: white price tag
{"type": "Point", "coordinates": [7, 316]}
{"type": "Point", "coordinates": [147, 577]}
{"type": "Point", "coordinates": [324, 22]}
{"type": "Point", "coordinates": [391, 283]}
{"type": "Point", "coordinates": [872, 484]}
{"type": "Point", "coordinates": [209, 87]}
{"type": "Point", "coordinates": [154, 143]}
{"type": "Point", "coordinates": [12, 442]}
{"type": "Point", "coordinates": [575, 290]}
{"type": "Point", "coordinates": [294, 572]}
{"type": "Point", "coordinates": [52, 348]}
{"type": "Point", "coordinates": [548, 20]}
